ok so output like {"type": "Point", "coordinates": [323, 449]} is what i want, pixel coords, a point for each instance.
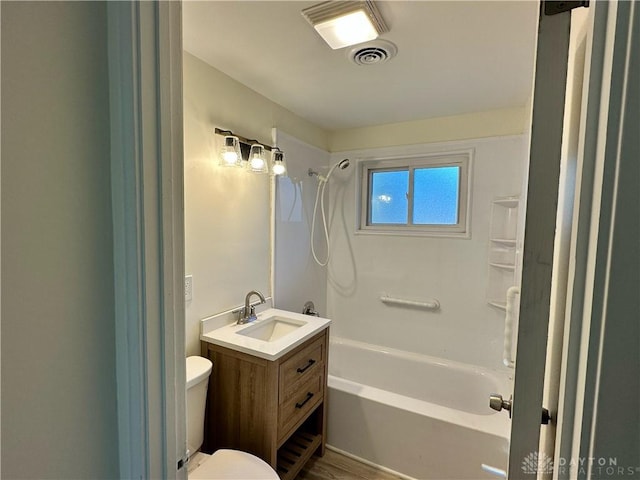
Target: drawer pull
{"type": "Point", "coordinates": [301, 404]}
{"type": "Point", "coordinates": [302, 369]}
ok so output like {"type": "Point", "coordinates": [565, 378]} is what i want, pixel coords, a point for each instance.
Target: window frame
{"type": "Point", "coordinates": [367, 167]}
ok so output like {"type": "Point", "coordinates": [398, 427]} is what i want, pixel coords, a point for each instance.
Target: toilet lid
{"type": "Point", "coordinates": [233, 464]}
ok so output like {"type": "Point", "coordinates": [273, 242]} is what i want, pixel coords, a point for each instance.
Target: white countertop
{"type": "Point", "coordinates": [228, 337]}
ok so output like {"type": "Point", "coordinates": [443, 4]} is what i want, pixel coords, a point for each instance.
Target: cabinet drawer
{"type": "Point", "coordinates": [300, 404]}
{"type": "Point", "coordinates": [305, 364]}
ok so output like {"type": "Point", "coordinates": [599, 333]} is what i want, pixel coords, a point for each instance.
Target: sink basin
{"type": "Point", "coordinates": [272, 329]}
{"type": "Point", "coordinates": [271, 336]}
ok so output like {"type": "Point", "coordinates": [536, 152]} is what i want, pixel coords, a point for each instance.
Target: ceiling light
{"type": "Point", "coordinates": [341, 24]}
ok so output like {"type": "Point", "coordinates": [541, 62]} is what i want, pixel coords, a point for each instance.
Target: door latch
{"type": "Point", "coordinates": [496, 402]}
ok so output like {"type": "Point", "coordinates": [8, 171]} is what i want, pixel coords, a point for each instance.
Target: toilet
{"type": "Point", "coordinates": [223, 464]}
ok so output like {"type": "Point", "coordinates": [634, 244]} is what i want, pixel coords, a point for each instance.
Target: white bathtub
{"type": "Point", "coordinates": [419, 416]}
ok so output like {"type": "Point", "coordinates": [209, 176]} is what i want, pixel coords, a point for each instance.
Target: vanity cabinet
{"type": "Point", "coordinates": [273, 409]}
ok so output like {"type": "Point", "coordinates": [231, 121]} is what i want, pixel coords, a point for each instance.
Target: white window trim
{"type": "Point", "coordinates": [451, 157]}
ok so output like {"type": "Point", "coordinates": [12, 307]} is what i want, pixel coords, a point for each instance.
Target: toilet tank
{"type": "Point", "coordinates": [198, 371]}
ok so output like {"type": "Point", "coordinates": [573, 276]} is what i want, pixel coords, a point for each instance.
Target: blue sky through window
{"type": "Point", "coordinates": [435, 195]}
{"type": "Point", "coordinates": [389, 202]}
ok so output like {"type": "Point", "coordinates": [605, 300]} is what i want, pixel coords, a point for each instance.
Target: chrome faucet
{"type": "Point", "coordinates": [249, 311]}
{"type": "Point", "coordinates": [310, 309]}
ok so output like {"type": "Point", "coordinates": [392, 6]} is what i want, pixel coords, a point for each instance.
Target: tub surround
{"type": "Point", "coordinates": [453, 270]}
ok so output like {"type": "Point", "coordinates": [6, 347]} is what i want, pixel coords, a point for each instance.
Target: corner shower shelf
{"type": "Point", "coordinates": [503, 250]}
{"type": "Point", "coordinates": [508, 242]}
{"type": "Point", "coordinates": [497, 304]}
{"type": "Point", "coordinates": [508, 202]}
{"type": "Point", "coordinates": [504, 266]}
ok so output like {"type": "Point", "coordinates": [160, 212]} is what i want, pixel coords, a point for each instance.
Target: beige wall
{"type": "Point", "coordinates": [494, 123]}
{"type": "Point", "coordinates": [227, 211]}
{"type": "Point", "coordinates": [59, 416]}
{"type": "Point", "coordinates": [241, 109]}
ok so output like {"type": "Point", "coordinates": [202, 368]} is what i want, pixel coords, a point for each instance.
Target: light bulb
{"type": "Point", "coordinates": [230, 158]}
{"type": "Point", "coordinates": [230, 155]}
{"type": "Point", "coordinates": [257, 163]}
{"type": "Point", "coordinates": [279, 169]}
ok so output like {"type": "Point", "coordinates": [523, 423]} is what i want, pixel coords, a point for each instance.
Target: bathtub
{"type": "Point", "coordinates": [417, 416]}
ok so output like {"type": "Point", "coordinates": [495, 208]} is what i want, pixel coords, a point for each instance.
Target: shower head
{"type": "Point", "coordinates": [344, 164]}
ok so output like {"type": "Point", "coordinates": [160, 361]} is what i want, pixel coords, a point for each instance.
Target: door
{"type": "Point", "coordinates": [564, 226]}
{"type": "Point", "coordinates": [551, 147]}
{"type": "Point", "coordinates": [539, 262]}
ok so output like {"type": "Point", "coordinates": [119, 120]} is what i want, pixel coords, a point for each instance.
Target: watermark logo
{"type": "Point", "coordinates": [594, 467]}
{"type": "Point", "coordinates": [537, 462]}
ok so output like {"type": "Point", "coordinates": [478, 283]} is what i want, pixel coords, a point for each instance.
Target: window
{"type": "Point", "coordinates": [425, 195]}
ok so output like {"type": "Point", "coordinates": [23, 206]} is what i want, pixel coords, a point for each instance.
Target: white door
{"type": "Point", "coordinates": [569, 168]}
{"type": "Point", "coordinates": [547, 277]}
{"type": "Point", "coordinates": [540, 226]}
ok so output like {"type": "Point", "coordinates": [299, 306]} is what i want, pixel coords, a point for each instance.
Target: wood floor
{"type": "Point", "coordinates": [334, 466]}
{"type": "Point", "coordinates": [196, 460]}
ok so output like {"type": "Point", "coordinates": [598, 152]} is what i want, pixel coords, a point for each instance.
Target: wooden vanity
{"type": "Point", "coordinates": [273, 409]}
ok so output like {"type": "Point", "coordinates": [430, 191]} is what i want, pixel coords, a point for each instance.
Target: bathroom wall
{"type": "Point", "coordinates": [452, 270]}
{"type": "Point", "coordinates": [298, 277]}
{"type": "Point", "coordinates": [492, 123]}
{"type": "Point", "coordinates": [227, 211]}
{"type": "Point", "coordinates": [59, 416]}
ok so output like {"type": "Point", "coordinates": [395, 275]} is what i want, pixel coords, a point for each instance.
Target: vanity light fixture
{"type": "Point", "coordinates": [345, 23]}
{"type": "Point", "coordinates": [238, 151]}
{"type": "Point", "coordinates": [279, 167]}
{"type": "Point", "coordinates": [230, 154]}
{"type": "Point", "coordinates": [257, 159]}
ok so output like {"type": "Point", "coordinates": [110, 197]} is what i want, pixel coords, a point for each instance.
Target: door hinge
{"type": "Point", "coordinates": [555, 7]}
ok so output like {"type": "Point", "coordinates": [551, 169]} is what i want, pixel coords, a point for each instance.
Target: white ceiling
{"type": "Point", "coordinates": [453, 57]}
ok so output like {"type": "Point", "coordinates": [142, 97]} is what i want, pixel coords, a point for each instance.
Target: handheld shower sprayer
{"type": "Point", "coordinates": [342, 165]}
{"type": "Point", "coordinates": [322, 183]}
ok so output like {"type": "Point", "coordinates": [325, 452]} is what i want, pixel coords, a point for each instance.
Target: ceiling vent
{"type": "Point", "coordinates": [371, 53]}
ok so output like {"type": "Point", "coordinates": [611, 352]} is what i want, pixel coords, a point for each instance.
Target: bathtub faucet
{"type": "Point", "coordinates": [310, 309]}
{"type": "Point", "coordinates": [249, 311]}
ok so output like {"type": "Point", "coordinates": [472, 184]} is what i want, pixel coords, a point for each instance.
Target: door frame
{"type": "Point", "coordinates": [597, 310]}
{"type": "Point", "coordinates": [145, 49]}
{"type": "Point", "coordinates": [145, 88]}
